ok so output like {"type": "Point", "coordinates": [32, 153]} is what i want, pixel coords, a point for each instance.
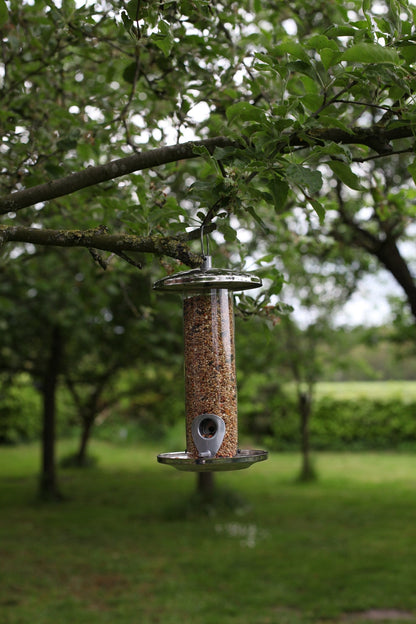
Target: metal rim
{"type": "Point", "coordinates": [197, 279]}
{"type": "Point", "coordinates": [183, 461]}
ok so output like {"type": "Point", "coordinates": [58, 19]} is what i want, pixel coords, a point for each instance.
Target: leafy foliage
{"type": "Point", "coordinates": [291, 92]}
{"type": "Point", "coordinates": [19, 411]}
{"type": "Point", "coordinates": [348, 425]}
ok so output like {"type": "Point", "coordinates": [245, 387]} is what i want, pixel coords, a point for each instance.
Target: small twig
{"type": "Point", "coordinates": [97, 257]}
{"type": "Point", "coordinates": [128, 301]}
{"type": "Point", "coordinates": [327, 103]}
{"type": "Point", "coordinates": [129, 260]}
{"type": "Point", "coordinates": [358, 103]}
{"type": "Point", "coordinates": [409, 150]}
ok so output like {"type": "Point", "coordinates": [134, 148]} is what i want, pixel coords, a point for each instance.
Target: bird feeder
{"type": "Point", "coordinates": [210, 375]}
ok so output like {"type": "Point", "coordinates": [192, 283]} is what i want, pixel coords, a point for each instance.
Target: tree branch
{"type": "Point", "coordinates": [377, 138]}
{"type": "Point", "coordinates": [99, 238]}
{"type": "Point", "coordinates": [109, 171]}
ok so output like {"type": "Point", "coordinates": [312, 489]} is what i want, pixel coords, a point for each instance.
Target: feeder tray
{"type": "Point", "coordinates": [184, 462]}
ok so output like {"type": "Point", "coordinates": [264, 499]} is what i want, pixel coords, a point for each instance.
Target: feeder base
{"type": "Point", "coordinates": [183, 461]}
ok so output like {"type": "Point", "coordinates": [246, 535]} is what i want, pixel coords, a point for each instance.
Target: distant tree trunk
{"type": "Point", "coordinates": [205, 485]}
{"type": "Point", "coordinates": [48, 487]}
{"type": "Point", "coordinates": [307, 472]}
{"type": "Point", "coordinates": [87, 425]}
{"type": "Point", "coordinates": [88, 409]}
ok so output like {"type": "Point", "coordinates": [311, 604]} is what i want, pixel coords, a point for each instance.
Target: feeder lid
{"type": "Point", "coordinates": [207, 279]}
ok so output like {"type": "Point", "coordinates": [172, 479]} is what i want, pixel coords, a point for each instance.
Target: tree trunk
{"type": "Point", "coordinates": [205, 486]}
{"type": "Point", "coordinates": [389, 255]}
{"type": "Point", "coordinates": [48, 488]}
{"type": "Point", "coordinates": [87, 425]}
{"type": "Point", "coordinates": [307, 472]}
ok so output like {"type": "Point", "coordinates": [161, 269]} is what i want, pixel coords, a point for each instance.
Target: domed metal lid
{"type": "Point", "coordinates": [208, 279]}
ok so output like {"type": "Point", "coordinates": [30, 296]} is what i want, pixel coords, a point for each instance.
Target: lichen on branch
{"type": "Point", "coordinates": [99, 238]}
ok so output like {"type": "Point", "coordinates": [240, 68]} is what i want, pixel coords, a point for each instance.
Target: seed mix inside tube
{"type": "Point", "coordinates": [210, 377]}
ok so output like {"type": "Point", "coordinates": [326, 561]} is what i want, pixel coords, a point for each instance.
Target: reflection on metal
{"type": "Point", "coordinates": [202, 280]}
{"type": "Point", "coordinates": [183, 461]}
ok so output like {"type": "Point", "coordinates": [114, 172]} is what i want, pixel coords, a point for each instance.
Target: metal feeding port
{"type": "Point", "coordinates": [210, 375]}
{"type": "Point", "coordinates": [208, 432]}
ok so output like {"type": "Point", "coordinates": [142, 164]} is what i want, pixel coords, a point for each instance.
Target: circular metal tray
{"type": "Point", "coordinates": [197, 279]}
{"type": "Point", "coordinates": [183, 461]}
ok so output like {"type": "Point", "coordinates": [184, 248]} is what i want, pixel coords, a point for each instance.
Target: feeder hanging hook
{"type": "Point", "coordinates": [206, 257]}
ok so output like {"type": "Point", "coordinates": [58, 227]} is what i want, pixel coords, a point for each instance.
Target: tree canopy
{"type": "Point", "coordinates": [128, 125]}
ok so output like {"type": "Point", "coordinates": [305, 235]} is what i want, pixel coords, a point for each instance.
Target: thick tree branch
{"type": "Point", "coordinates": [99, 238]}
{"type": "Point", "coordinates": [360, 237]}
{"type": "Point", "coordinates": [375, 137]}
{"type": "Point", "coordinates": [109, 171]}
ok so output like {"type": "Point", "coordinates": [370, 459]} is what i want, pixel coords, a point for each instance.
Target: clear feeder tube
{"type": "Point", "coordinates": [209, 354]}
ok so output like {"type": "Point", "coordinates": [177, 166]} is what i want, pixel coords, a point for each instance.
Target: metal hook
{"type": "Point", "coordinates": [207, 263]}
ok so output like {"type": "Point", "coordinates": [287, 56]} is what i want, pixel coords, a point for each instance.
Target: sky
{"type": "Point", "coordinates": [369, 305]}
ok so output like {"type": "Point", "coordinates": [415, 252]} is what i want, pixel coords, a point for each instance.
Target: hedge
{"type": "Point", "coordinates": [348, 425]}
{"type": "Point", "coordinates": [20, 409]}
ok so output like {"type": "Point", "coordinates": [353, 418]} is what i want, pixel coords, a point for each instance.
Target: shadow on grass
{"type": "Point", "coordinates": [307, 474]}
{"type": "Point", "coordinates": [220, 502]}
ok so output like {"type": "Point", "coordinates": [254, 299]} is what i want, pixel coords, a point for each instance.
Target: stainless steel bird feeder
{"type": "Point", "coordinates": [210, 376]}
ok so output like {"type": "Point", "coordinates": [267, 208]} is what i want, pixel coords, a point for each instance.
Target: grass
{"type": "Point", "coordinates": [380, 390]}
{"type": "Point", "coordinates": [130, 545]}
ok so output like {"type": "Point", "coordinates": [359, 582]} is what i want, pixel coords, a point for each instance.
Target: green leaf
{"type": "Point", "coordinates": [334, 122]}
{"type": "Point", "coordinates": [245, 112]}
{"type": "Point", "coordinates": [341, 31]}
{"type": "Point", "coordinates": [370, 53]}
{"type": "Point", "coordinates": [304, 177]}
{"type": "Point", "coordinates": [318, 42]}
{"type": "Point", "coordinates": [412, 170]}
{"type": "Point", "coordinates": [227, 231]}
{"type": "Point", "coordinates": [312, 101]}
{"type": "Point", "coordinates": [319, 209]}
{"type": "Point", "coordinates": [131, 8]}
{"type": "Point", "coordinates": [129, 72]}
{"type": "Point", "coordinates": [279, 190]}
{"type": "Point", "coordinates": [294, 49]}
{"type": "Point", "coordinates": [329, 57]}
{"type": "Point", "coordinates": [4, 13]}
{"type": "Point", "coordinates": [55, 171]}
{"type": "Point", "coordinates": [128, 23]}
{"type": "Point", "coordinates": [163, 39]}
{"type": "Point", "coordinates": [385, 26]}
{"type": "Point", "coordinates": [267, 258]}
{"type": "Point", "coordinates": [201, 150]}
{"type": "Point", "coordinates": [344, 173]}
{"type": "Point", "coordinates": [258, 219]}
{"type": "Point", "coordinates": [408, 52]}
{"type": "Point", "coordinates": [366, 6]}
{"type": "Point", "coordinates": [302, 68]}
{"type": "Point", "coordinates": [224, 153]}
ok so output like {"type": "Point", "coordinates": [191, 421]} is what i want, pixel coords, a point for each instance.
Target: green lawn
{"type": "Point", "coordinates": [129, 546]}
{"type": "Point", "coordinates": [381, 390]}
